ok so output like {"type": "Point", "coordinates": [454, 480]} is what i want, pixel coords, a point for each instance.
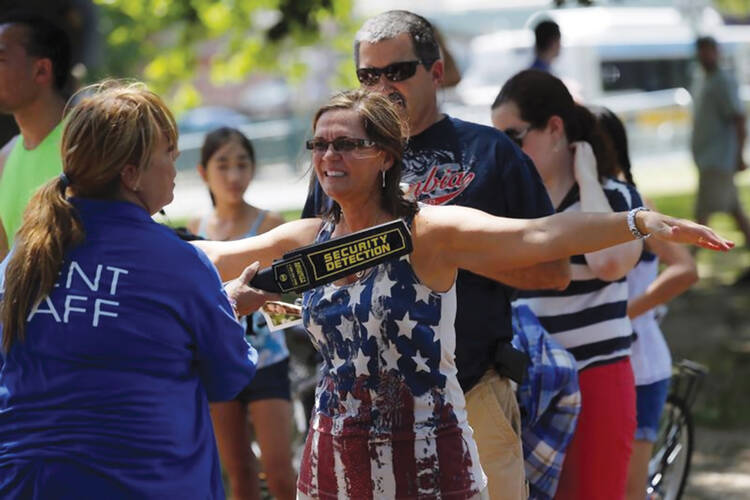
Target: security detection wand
{"type": "Point", "coordinates": [321, 263]}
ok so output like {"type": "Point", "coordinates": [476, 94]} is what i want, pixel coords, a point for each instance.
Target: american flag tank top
{"type": "Point", "coordinates": [389, 418]}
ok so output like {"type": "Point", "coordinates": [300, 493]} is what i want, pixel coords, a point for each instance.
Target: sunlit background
{"type": "Point", "coordinates": [264, 66]}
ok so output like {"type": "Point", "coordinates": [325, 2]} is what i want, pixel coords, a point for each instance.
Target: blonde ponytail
{"type": "Point", "coordinates": [50, 227]}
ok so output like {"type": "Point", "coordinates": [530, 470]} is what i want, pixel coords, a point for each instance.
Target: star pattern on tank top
{"type": "Point", "coordinates": [406, 325]}
{"type": "Point", "coordinates": [381, 324]}
{"type": "Point", "coordinates": [422, 294]}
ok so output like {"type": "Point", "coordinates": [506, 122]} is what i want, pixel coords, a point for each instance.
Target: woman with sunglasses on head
{"type": "Point", "coordinates": [115, 333]}
{"type": "Point", "coordinates": [589, 318]}
{"type": "Point", "coordinates": [389, 419]}
{"type": "Point", "coordinates": [648, 289]}
{"type": "Point", "coordinates": [227, 166]}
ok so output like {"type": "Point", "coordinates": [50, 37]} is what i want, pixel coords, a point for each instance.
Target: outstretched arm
{"type": "Point", "coordinates": [231, 257]}
{"type": "Point", "coordinates": [487, 245]}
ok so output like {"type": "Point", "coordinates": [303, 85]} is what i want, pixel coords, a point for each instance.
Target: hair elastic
{"type": "Point", "coordinates": [65, 180]}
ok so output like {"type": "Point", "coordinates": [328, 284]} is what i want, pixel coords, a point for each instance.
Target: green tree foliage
{"type": "Point", "coordinates": [736, 8]}
{"type": "Point", "coordinates": [163, 41]}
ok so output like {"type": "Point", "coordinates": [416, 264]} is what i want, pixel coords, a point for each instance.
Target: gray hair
{"type": "Point", "coordinates": [390, 24]}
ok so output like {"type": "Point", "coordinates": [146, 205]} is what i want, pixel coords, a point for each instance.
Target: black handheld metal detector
{"type": "Point", "coordinates": [320, 263]}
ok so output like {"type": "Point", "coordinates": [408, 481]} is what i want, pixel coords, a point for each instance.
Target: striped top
{"type": "Point", "coordinates": [589, 318]}
{"type": "Point", "coordinates": [389, 418]}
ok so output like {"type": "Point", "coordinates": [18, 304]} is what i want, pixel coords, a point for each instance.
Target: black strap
{"type": "Point", "coordinates": [510, 362]}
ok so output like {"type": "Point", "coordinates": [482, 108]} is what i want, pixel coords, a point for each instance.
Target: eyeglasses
{"type": "Point", "coordinates": [517, 135]}
{"type": "Point", "coordinates": [340, 144]}
{"type": "Point", "coordinates": [396, 72]}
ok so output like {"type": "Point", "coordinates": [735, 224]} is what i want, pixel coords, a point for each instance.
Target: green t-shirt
{"type": "Point", "coordinates": [24, 171]}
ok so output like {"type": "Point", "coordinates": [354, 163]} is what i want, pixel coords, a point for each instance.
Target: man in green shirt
{"type": "Point", "coordinates": [35, 60]}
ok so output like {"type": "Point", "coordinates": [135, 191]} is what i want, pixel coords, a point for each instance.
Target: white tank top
{"type": "Point", "coordinates": [650, 356]}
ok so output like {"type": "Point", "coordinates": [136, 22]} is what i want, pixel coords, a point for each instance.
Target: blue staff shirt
{"type": "Point", "coordinates": [107, 395]}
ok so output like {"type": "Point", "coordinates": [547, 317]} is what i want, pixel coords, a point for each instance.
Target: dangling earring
{"type": "Point", "coordinates": [383, 172]}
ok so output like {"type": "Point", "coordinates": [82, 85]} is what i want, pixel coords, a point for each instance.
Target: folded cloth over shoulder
{"type": "Point", "coordinates": [550, 402]}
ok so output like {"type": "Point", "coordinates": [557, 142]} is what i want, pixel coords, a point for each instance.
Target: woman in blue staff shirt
{"type": "Point", "coordinates": [115, 333]}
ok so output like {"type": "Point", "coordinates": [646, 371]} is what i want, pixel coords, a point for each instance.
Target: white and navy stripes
{"type": "Point", "coordinates": [589, 318]}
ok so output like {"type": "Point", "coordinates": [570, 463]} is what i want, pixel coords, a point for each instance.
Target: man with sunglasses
{"type": "Point", "coordinates": [449, 161]}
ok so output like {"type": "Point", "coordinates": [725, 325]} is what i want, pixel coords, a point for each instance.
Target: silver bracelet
{"type": "Point", "coordinates": [637, 234]}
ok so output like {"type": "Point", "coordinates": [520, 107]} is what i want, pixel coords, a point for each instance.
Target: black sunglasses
{"type": "Point", "coordinates": [517, 135]}
{"type": "Point", "coordinates": [340, 144]}
{"type": "Point", "coordinates": [396, 72]}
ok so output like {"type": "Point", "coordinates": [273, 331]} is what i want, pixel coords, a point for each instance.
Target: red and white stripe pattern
{"type": "Point", "coordinates": [353, 465]}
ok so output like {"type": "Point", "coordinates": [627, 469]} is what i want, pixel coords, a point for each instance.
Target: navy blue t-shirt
{"type": "Point", "coordinates": [460, 163]}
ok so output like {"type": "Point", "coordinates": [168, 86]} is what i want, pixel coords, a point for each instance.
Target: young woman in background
{"type": "Point", "coordinates": [227, 167]}
{"type": "Point", "coordinates": [588, 318]}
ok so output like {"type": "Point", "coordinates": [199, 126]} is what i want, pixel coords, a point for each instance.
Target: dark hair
{"type": "Point", "coordinates": [540, 96]}
{"type": "Point", "coordinates": [216, 139]}
{"type": "Point", "coordinates": [705, 42]}
{"type": "Point", "coordinates": [611, 125]}
{"type": "Point", "coordinates": [44, 39]}
{"type": "Point", "coordinates": [546, 33]}
{"type": "Point", "coordinates": [383, 124]}
{"type": "Point", "coordinates": [390, 24]}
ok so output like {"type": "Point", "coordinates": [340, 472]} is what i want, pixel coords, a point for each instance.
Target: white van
{"type": "Point", "coordinates": [637, 61]}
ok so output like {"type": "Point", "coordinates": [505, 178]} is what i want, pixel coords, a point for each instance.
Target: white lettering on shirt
{"type": "Point", "coordinates": [51, 310]}
{"type": "Point", "coordinates": [75, 267]}
{"type": "Point", "coordinates": [84, 280]}
{"type": "Point", "coordinates": [69, 308]}
{"type": "Point", "coordinates": [115, 277]}
{"type": "Point", "coordinates": [99, 312]}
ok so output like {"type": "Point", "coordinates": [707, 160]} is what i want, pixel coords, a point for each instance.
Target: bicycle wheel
{"type": "Point", "coordinates": [670, 463]}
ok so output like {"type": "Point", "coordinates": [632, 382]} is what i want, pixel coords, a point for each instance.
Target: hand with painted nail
{"type": "Point", "coordinates": [684, 231]}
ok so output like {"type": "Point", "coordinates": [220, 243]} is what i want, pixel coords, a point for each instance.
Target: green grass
{"type": "Point", "coordinates": [291, 214]}
{"type": "Point", "coordinates": [681, 205]}
{"type": "Point", "coordinates": [714, 267]}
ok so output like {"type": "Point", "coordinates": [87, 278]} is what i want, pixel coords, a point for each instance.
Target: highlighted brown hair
{"type": "Point", "coordinates": [383, 124]}
{"type": "Point", "coordinates": [115, 124]}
